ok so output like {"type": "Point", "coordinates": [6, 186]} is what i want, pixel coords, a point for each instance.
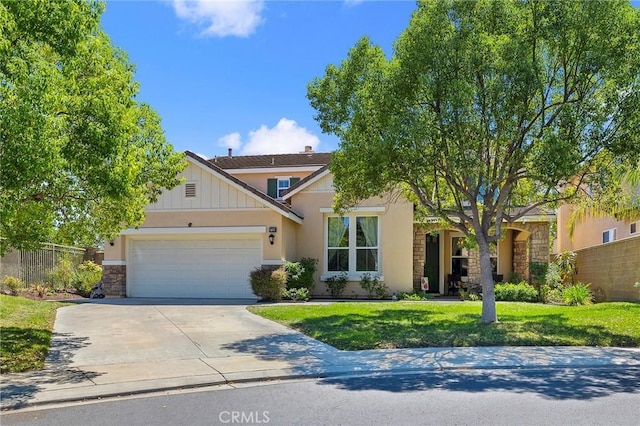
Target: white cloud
{"type": "Point", "coordinates": [286, 137]}
{"type": "Point", "coordinates": [222, 17]}
{"type": "Point", "coordinates": [232, 140]}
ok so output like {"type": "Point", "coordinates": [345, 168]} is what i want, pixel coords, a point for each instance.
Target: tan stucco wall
{"type": "Point", "coordinates": [612, 269]}
{"type": "Point", "coordinates": [396, 239]}
{"type": "Point", "coordinates": [589, 232]}
{"type": "Point", "coordinates": [281, 248]}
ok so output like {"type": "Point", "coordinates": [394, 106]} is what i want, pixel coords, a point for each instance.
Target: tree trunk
{"type": "Point", "coordinates": [489, 313]}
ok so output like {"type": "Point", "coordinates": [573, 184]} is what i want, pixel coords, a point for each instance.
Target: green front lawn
{"type": "Point", "coordinates": [354, 326]}
{"type": "Point", "coordinates": [25, 332]}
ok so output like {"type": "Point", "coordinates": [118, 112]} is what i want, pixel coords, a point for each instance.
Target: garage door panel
{"type": "Point", "coordinates": [193, 268]}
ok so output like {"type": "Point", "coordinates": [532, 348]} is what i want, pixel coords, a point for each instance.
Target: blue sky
{"type": "Point", "coordinates": [235, 74]}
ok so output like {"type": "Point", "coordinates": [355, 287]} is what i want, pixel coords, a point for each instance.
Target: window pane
{"type": "Point", "coordinates": [366, 260]}
{"type": "Point", "coordinates": [338, 260]}
{"type": "Point", "coordinates": [338, 232]}
{"type": "Point", "coordinates": [460, 266]}
{"type": "Point", "coordinates": [494, 265]}
{"type": "Point", "coordinates": [367, 231]}
{"type": "Point", "coordinates": [457, 248]}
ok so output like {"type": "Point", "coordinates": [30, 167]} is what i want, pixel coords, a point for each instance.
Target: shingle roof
{"type": "Point", "coordinates": [277, 204]}
{"type": "Point", "coordinates": [274, 160]}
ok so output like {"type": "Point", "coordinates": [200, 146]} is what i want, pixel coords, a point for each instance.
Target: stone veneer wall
{"type": "Point", "coordinates": [114, 280]}
{"type": "Point", "coordinates": [612, 269]}
{"type": "Point", "coordinates": [534, 249]}
{"type": "Point", "coordinates": [419, 253]}
{"type": "Point", "coordinates": [521, 258]}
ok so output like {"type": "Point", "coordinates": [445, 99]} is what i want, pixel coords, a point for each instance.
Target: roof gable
{"type": "Point", "coordinates": [281, 208]}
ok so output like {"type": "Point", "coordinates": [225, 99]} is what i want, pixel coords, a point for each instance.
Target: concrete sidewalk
{"type": "Point", "coordinates": [243, 348]}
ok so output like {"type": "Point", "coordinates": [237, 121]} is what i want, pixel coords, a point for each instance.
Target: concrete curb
{"type": "Point", "coordinates": [141, 387]}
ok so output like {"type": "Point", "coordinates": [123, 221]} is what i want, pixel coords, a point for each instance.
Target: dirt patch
{"type": "Point", "coordinates": [57, 295]}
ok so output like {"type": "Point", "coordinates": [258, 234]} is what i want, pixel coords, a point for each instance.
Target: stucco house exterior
{"type": "Point", "coordinates": [234, 213]}
{"type": "Point", "coordinates": [608, 254]}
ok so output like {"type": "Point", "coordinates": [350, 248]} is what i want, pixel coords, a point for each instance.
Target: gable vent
{"type": "Point", "coordinates": [190, 190]}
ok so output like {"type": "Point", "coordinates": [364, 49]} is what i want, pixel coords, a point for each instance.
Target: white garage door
{"type": "Point", "coordinates": [217, 268]}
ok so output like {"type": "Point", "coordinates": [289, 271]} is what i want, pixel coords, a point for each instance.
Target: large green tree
{"type": "Point", "coordinates": [486, 110]}
{"type": "Point", "coordinates": [80, 156]}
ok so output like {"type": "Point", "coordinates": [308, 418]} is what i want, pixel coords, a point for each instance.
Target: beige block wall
{"type": "Point", "coordinates": [612, 269]}
{"type": "Point", "coordinates": [396, 239]}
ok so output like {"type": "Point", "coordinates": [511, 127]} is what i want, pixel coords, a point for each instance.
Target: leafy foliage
{"type": "Point", "coordinates": [486, 107]}
{"type": "Point", "coordinates": [64, 272]}
{"type": "Point", "coordinates": [297, 294]}
{"type": "Point", "coordinates": [12, 285]}
{"type": "Point", "coordinates": [300, 274]}
{"type": "Point", "coordinates": [415, 296]}
{"type": "Point", "coordinates": [577, 294]}
{"type": "Point", "coordinates": [87, 275]}
{"type": "Point", "coordinates": [520, 292]}
{"type": "Point", "coordinates": [80, 157]}
{"type": "Point", "coordinates": [337, 284]}
{"type": "Point", "coordinates": [373, 286]}
{"type": "Point", "coordinates": [268, 284]}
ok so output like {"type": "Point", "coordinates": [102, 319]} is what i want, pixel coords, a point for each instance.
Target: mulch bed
{"type": "Point", "coordinates": [58, 295]}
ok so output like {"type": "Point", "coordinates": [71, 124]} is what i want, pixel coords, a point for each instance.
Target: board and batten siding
{"type": "Point", "coordinates": [211, 193]}
{"type": "Point", "coordinates": [325, 184]}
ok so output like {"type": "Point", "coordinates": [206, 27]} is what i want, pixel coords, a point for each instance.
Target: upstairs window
{"type": "Point", "coordinates": [608, 236]}
{"type": "Point", "coordinates": [276, 187]}
{"type": "Point", "coordinates": [634, 228]}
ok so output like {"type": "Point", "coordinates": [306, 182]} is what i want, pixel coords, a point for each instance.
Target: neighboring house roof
{"type": "Point", "coordinates": [270, 161]}
{"type": "Point", "coordinates": [281, 208]}
{"type": "Point", "coordinates": [303, 183]}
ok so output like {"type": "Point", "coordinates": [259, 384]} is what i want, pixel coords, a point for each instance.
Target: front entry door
{"type": "Point", "coordinates": [432, 262]}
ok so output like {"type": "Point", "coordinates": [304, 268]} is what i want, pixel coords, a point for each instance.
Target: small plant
{"type": "Point", "coordinates": [464, 295]}
{"type": "Point", "coordinates": [88, 274]}
{"type": "Point", "coordinates": [64, 272]}
{"type": "Point", "coordinates": [41, 289]}
{"type": "Point", "coordinates": [297, 294]}
{"type": "Point", "coordinates": [577, 294]}
{"type": "Point", "coordinates": [521, 292]}
{"type": "Point", "coordinates": [337, 284]}
{"type": "Point", "coordinates": [12, 285]}
{"type": "Point", "coordinates": [268, 284]}
{"type": "Point", "coordinates": [566, 261]}
{"type": "Point", "coordinates": [415, 296]}
{"type": "Point", "coordinates": [373, 286]}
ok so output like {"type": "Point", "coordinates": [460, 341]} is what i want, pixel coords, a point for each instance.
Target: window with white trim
{"type": "Point", "coordinates": [352, 244]}
{"type": "Point", "coordinates": [608, 236]}
{"type": "Point", "coordinates": [459, 256]}
{"type": "Point", "coordinates": [283, 185]}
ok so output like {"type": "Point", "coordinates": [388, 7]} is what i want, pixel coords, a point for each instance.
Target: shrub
{"type": "Point", "coordinates": [521, 292]}
{"type": "Point", "coordinates": [12, 285]}
{"type": "Point", "coordinates": [300, 274]}
{"type": "Point", "coordinates": [373, 286]}
{"type": "Point", "coordinates": [296, 294]}
{"type": "Point", "coordinates": [577, 294]}
{"type": "Point", "coordinates": [415, 296]}
{"type": "Point", "coordinates": [268, 284]}
{"type": "Point", "coordinates": [538, 273]}
{"type": "Point", "coordinates": [64, 272]}
{"type": "Point", "coordinates": [88, 274]}
{"type": "Point", "coordinates": [337, 284]}
{"type": "Point", "coordinates": [566, 262]}
{"type": "Point", "coordinates": [41, 289]}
